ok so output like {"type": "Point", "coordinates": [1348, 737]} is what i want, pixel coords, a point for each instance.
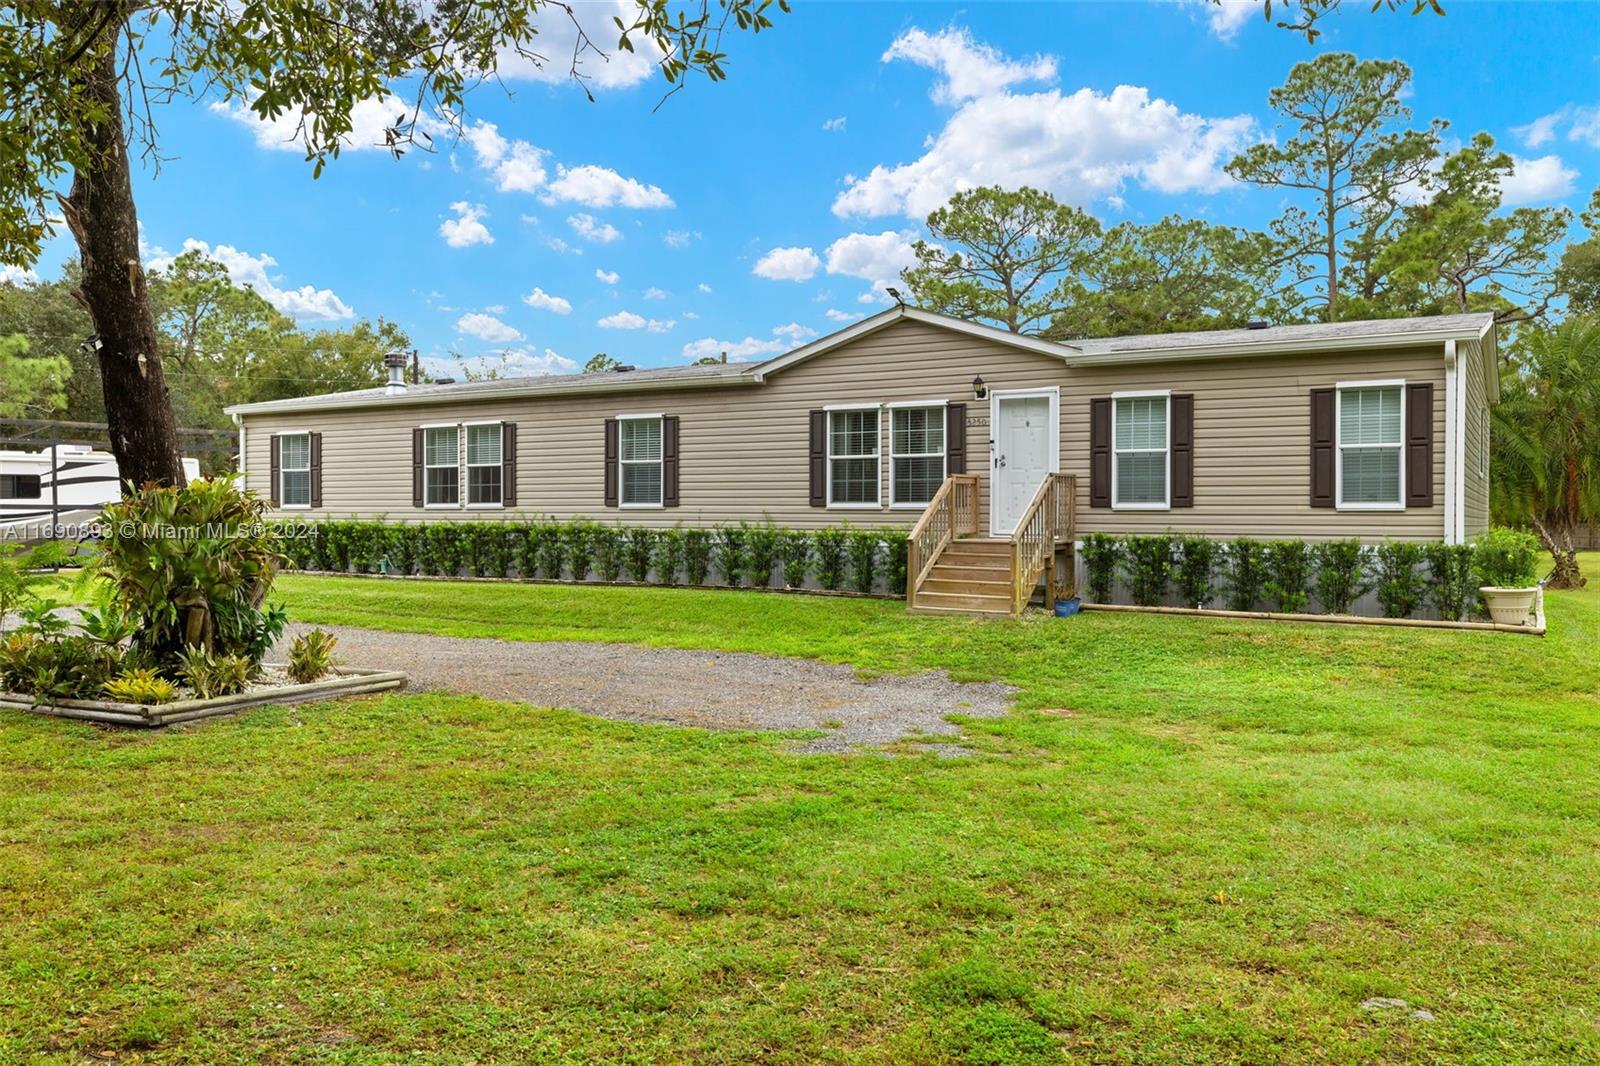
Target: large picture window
{"type": "Point", "coordinates": [1139, 452]}
{"type": "Point", "coordinates": [853, 458]}
{"type": "Point", "coordinates": [441, 460]}
{"type": "Point", "coordinates": [916, 453]}
{"type": "Point", "coordinates": [639, 453]}
{"type": "Point", "coordinates": [483, 465]}
{"type": "Point", "coordinates": [294, 469]}
{"type": "Point", "coordinates": [1371, 437]}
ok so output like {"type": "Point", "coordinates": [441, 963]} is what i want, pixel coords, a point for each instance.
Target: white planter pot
{"type": "Point", "coordinates": [1511, 607]}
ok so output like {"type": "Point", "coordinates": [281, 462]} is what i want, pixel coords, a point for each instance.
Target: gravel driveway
{"type": "Point", "coordinates": [711, 690]}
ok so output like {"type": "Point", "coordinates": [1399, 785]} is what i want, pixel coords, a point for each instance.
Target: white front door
{"type": "Point", "coordinates": [1022, 454]}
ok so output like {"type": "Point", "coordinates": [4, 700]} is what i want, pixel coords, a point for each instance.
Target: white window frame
{"type": "Point", "coordinates": [876, 456]}
{"type": "Point", "coordinates": [944, 453]}
{"type": "Point", "coordinates": [461, 494]}
{"type": "Point", "coordinates": [468, 464]}
{"type": "Point", "coordinates": [661, 463]}
{"type": "Point", "coordinates": [283, 497]}
{"type": "Point", "coordinates": [1166, 450]}
{"type": "Point", "coordinates": [1338, 444]}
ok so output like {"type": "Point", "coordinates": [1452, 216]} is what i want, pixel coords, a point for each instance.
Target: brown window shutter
{"type": "Point", "coordinates": [1182, 450]}
{"type": "Point", "coordinates": [1100, 452]}
{"type": "Point", "coordinates": [819, 458]}
{"type": "Point", "coordinates": [508, 464]}
{"type": "Point", "coordinates": [1419, 445]}
{"type": "Point", "coordinates": [1322, 447]}
{"type": "Point", "coordinates": [316, 469]}
{"type": "Point", "coordinates": [955, 439]}
{"type": "Point", "coordinates": [612, 470]}
{"type": "Point", "coordinates": [277, 471]}
{"type": "Point", "coordinates": [416, 468]}
{"type": "Point", "coordinates": [669, 461]}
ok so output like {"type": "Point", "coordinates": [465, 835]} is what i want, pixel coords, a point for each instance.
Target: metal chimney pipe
{"type": "Point", "coordinates": [396, 362]}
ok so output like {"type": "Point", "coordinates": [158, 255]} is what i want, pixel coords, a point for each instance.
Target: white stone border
{"type": "Point", "coordinates": [349, 682]}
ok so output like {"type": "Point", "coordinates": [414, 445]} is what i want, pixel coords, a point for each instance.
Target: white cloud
{"type": "Point", "coordinates": [629, 320]}
{"type": "Point", "coordinates": [369, 121]}
{"type": "Point", "coordinates": [595, 186]}
{"type": "Point", "coordinates": [835, 315]}
{"type": "Point", "coordinates": [543, 301]}
{"type": "Point", "coordinates": [788, 264]}
{"type": "Point", "coordinates": [835, 125]}
{"type": "Point", "coordinates": [1080, 146]}
{"type": "Point", "coordinates": [487, 328]}
{"type": "Point", "coordinates": [1581, 125]}
{"type": "Point", "coordinates": [1533, 180]}
{"type": "Point", "coordinates": [783, 338]}
{"type": "Point", "coordinates": [691, 315]}
{"type": "Point", "coordinates": [517, 166]}
{"type": "Point", "coordinates": [15, 275]}
{"type": "Point", "coordinates": [558, 48]}
{"type": "Point", "coordinates": [653, 293]}
{"type": "Point", "coordinates": [592, 229]}
{"type": "Point", "coordinates": [703, 287]}
{"type": "Point", "coordinates": [512, 362]}
{"type": "Point", "coordinates": [794, 333]}
{"type": "Point", "coordinates": [967, 69]}
{"type": "Point", "coordinates": [467, 228]}
{"type": "Point", "coordinates": [1225, 18]}
{"type": "Point", "coordinates": [545, 362]}
{"type": "Point", "coordinates": [680, 238]}
{"type": "Point", "coordinates": [873, 296]}
{"type": "Point", "coordinates": [878, 258]}
{"type": "Point", "coordinates": [255, 271]}
{"type": "Point", "coordinates": [556, 244]}
{"type": "Point", "coordinates": [610, 277]}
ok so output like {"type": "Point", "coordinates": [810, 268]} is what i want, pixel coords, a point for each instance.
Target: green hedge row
{"type": "Point", "coordinates": [743, 554]}
{"type": "Point", "coordinates": [1288, 575]}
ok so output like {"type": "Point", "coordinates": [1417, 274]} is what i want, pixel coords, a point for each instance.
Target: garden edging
{"type": "Point", "coordinates": [349, 682]}
{"type": "Point", "coordinates": [1535, 630]}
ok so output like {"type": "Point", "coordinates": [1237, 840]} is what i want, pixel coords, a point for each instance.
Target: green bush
{"type": "Point", "coordinates": [400, 548]}
{"type": "Point", "coordinates": [669, 555]}
{"type": "Point", "coordinates": [1147, 567]}
{"type": "Point", "coordinates": [1246, 569]}
{"type": "Point", "coordinates": [142, 686]}
{"type": "Point", "coordinates": [864, 547]}
{"type": "Point", "coordinates": [1506, 558]}
{"type": "Point", "coordinates": [1400, 582]}
{"type": "Point", "coordinates": [796, 553]}
{"type": "Point", "coordinates": [311, 656]}
{"type": "Point", "coordinates": [763, 545]}
{"type": "Point", "coordinates": [1341, 574]}
{"type": "Point", "coordinates": [1100, 555]}
{"type": "Point", "coordinates": [55, 667]}
{"type": "Point", "coordinates": [639, 548]}
{"type": "Point", "coordinates": [444, 550]}
{"type": "Point", "coordinates": [192, 565]}
{"type": "Point", "coordinates": [728, 548]}
{"type": "Point", "coordinates": [898, 547]}
{"type": "Point", "coordinates": [549, 544]}
{"type": "Point", "coordinates": [1197, 564]}
{"type": "Point", "coordinates": [1288, 574]}
{"type": "Point", "coordinates": [696, 555]}
{"type": "Point", "coordinates": [831, 551]}
{"type": "Point", "coordinates": [608, 551]}
{"type": "Point", "coordinates": [209, 675]}
{"type": "Point", "coordinates": [1451, 592]}
{"type": "Point", "coordinates": [577, 542]}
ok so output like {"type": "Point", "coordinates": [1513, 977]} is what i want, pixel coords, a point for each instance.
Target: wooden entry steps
{"type": "Point", "coordinates": [970, 576]}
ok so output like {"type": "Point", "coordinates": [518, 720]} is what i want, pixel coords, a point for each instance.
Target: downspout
{"type": "Point", "coordinates": [1452, 445]}
{"type": "Point", "coordinates": [238, 420]}
{"type": "Point", "coordinates": [1461, 440]}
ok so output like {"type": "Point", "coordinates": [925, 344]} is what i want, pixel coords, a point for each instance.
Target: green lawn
{"type": "Point", "coordinates": [1196, 841]}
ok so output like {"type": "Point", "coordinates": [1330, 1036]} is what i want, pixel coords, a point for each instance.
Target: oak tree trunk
{"type": "Point", "coordinates": [1558, 542]}
{"type": "Point", "coordinates": [101, 215]}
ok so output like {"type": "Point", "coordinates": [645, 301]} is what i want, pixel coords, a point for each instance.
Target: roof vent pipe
{"type": "Point", "coordinates": [1259, 323]}
{"type": "Point", "coordinates": [396, 362]}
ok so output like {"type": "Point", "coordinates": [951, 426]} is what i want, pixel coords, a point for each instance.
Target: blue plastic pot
{"type": "Point", "coordinates": [1068, 608]}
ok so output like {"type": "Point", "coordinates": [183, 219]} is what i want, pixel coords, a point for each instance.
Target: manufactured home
{"type": "Point", "coordinates": [984, 441]}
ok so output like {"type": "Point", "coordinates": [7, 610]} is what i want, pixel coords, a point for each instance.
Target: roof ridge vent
{"type": "Point", "coordinates": [1258, 323]}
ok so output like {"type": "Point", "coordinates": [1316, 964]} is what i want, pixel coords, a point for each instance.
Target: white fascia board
{"type": "Point", "coordinates": [1267, 348]}
{"type": "Point", "coordinates": [312, 404]}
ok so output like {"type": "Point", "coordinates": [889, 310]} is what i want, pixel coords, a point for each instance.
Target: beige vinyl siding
{"type": "Point", "coordinates": [1475, 483]}
{"type": "Point", "coordinates": [1252, 445]}
{"type": "Point", "coordinates": [744, 449]}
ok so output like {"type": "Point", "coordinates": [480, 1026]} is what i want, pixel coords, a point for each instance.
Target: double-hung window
{"type": "Point", "coordinates": [639, 455]}
{"type": "Point", "coordinates": [916, 453]}
{"type": "Point", "coordinates": [1371, 442]}
{"type": "Point", "coordinates": [1140, 450]}
{"type": "Point", "coordinates": [853, 457]}
{"type": "Point", "coordinates": [483, 465]}
{"type": "Point", "coordinates": [294, 469]}
{"type": "Point", "coordinates": [441, 460]}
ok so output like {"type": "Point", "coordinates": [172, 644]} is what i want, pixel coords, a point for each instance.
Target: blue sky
{"type": "Point", "coordinates": [755, 214]}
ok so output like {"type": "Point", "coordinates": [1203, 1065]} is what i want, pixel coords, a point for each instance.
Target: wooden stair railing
{"type": "Point", "coordinates": [1050, 519]}
{"type": "Point", "coordinates": [952, 512]}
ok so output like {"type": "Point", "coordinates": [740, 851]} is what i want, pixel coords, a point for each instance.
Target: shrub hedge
{"type": "Point", "coordinates": [745, 553]}
{"type": "Point", "coordinates": [1293, 576]}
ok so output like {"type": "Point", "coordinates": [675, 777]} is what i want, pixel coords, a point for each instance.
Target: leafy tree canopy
{"type": "Point", "coordinates": [30, 386]}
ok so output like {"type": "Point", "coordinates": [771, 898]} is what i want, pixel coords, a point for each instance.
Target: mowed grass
{"type": "Point", "coordinates": [1195, 841]}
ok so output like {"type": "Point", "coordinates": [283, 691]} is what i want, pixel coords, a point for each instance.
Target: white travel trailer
{"type": "Point", "coordinates": [63, 485]}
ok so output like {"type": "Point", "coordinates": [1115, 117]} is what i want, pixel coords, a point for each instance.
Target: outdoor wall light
{"type": "Point", "coordinates": [979, 389]}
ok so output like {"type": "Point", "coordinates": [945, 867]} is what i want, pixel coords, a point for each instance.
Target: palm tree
{"type": "Point", "coordinates": [1547, 440]}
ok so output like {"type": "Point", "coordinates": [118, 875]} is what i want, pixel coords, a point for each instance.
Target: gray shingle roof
{"type": "Point", "coordinates": [1329, 333]}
